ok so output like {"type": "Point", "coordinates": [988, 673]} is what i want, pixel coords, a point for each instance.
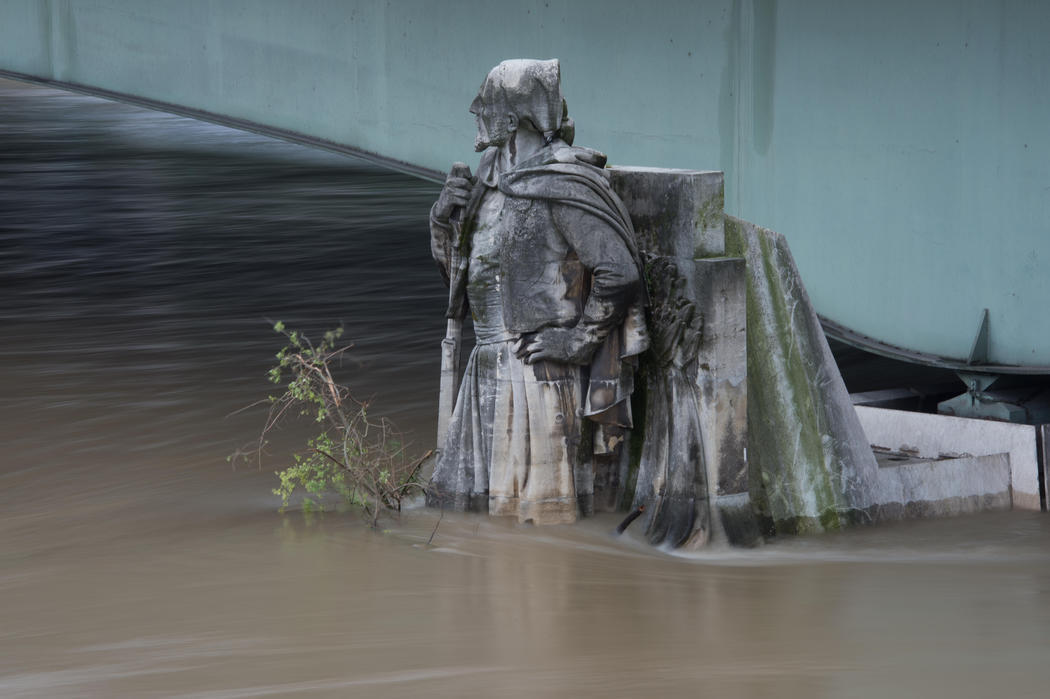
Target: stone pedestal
{"type": "Point", "coordinates": [691, 470]}
{"type": "Point", "coordinates": [745, 412]}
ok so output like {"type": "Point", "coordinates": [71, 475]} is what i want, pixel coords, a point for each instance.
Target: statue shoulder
{"type": "Point", "coordinates": [559, 171]}
{"type": "Point", "coordinates": [577, 155]}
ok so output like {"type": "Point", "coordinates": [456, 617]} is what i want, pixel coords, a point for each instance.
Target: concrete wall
{"type": "Point", "coordinates": [901, 147]}
{"type": "Point", "coordinates": [930, 436]}
{"type": "Point", "coordinates": [943, 488]}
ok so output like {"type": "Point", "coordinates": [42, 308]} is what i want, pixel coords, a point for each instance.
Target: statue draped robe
{"type": "Point", "coordinates": [550, 245]}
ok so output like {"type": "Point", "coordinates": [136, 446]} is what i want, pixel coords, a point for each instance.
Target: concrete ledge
{"type": "Point", "coordinates": [943, 488]}
{"type": "Point", "coordinates": [931, 437]}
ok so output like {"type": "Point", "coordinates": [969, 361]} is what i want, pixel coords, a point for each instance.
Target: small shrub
{"type": "Point", "coordinates": [355, 455]}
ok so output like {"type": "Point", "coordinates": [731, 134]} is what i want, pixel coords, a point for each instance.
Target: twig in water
{"type": "Point", "coordinates": [630, 518]}
{"type": "Point", "coordinates": [436, 524]}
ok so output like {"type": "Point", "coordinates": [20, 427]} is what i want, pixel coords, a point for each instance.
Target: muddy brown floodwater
{"type": "Point", "coordinates": [142, 256]}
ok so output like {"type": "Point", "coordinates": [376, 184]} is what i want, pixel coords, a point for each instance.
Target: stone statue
{"type": "Point", "coordinates": [541, 251]}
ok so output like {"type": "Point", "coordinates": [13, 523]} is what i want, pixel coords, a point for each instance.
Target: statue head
{"type": "Point", "coordinates": [521, 93]}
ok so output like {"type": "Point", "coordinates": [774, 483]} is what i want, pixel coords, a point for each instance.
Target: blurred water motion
{"type": "Point", "coordinates": [141, 255]}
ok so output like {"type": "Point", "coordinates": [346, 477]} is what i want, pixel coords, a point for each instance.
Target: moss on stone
{"type": "Point", "coordinates": [710, 213]}
{"type": "Point", "coordinates": [792, 473]}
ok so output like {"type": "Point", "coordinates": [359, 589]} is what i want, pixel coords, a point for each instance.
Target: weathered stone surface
{"type": "Point", "coordinates": [542, 252]}
{"type": "Point", "coordinates": [721, 290]}
{"type": "Point", "coordinates": [811, 468]}
{"type": "Point", "coordinates": [918, 488]}
{"type": "Point", "coordinates": [722, 377]}
{"type": "Point", "coordinates": [677, 216]}
{"type": "Point", "coordinates": [676, 213]}
{"type": "Point", "coordinates": [693, 451]}
{"type": "Point", "coordinates": [549, 250]}
{"type": "Point", "coordinates": [930, 436]}
{"type": "Point", "coordinates": [602, 482]}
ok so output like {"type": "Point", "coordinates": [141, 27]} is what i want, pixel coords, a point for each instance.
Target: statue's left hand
{"type": "Point", "coordinates": [565, 345]}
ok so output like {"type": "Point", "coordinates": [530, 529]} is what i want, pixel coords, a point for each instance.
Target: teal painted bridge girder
{"type": "Point", "coordinates": [902, 148]}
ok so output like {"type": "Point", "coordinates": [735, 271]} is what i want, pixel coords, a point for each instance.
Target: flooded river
{"type": "Point", "coordinates": [142, 258]}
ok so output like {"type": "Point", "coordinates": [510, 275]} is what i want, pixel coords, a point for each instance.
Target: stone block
{"type": "Point", "coordinates": [721, 293]}
{"type": "Point", "coordinates": [693, 454]}
{"type": "Point", "coordinates": [722, 376]}
{"type": "Point", "coordinates": [676, 213]}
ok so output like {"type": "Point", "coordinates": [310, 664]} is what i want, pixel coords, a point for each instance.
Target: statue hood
{"type": "Point", "coordinates": [525, 87]}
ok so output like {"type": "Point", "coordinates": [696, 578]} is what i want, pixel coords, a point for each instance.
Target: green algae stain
{"type": "Point", "coordinates": [788, 463]}
{"type": "Point", "coordinates": [709, 216]}
{"type": "Point", "coordinates": [710, 213]}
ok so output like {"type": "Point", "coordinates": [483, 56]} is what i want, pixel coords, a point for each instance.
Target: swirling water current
{"type": "Point", "coordinates": [143, 258]}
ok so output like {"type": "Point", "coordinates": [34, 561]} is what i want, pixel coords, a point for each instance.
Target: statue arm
{"type": "Point", "coordinates": [441, 243]}
{"type": "Point", "coordinates": [615, 277]}
{"type": "Point", "coordinates": [455, 195]}
{"type": "Point", "coordinates": [615, 285]}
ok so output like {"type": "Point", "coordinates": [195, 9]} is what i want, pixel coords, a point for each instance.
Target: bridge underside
{"type": "Point", "coordinates": [901, 147]}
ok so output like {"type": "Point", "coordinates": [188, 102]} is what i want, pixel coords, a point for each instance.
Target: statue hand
{"type": "Point", "coordinates": [565, 345]}
{"type": "Point", "coordinates": [455, 193]}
